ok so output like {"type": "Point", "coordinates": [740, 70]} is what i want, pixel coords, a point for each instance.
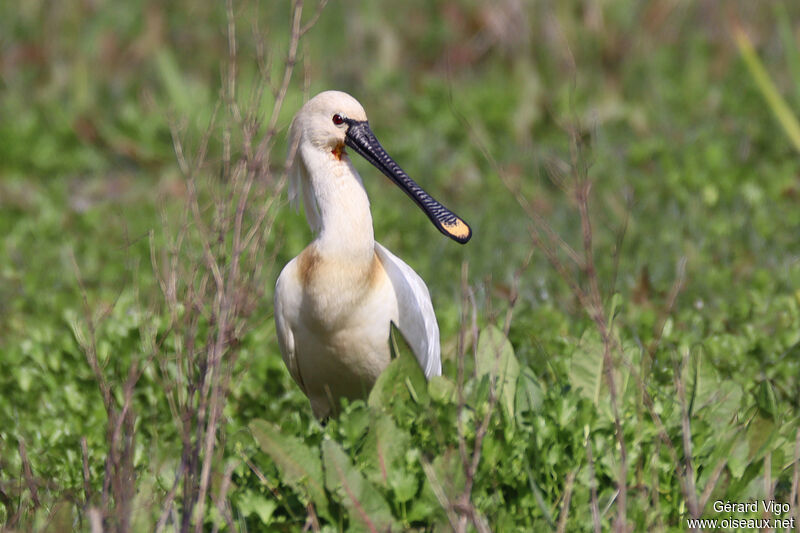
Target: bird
{"type": "Point", "coordinates": [335, 302]}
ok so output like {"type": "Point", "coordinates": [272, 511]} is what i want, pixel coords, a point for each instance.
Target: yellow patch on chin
{"type": "Point", "coordinates": [457, 229]}
{"type": "Point", "coordinates": [338, 151]}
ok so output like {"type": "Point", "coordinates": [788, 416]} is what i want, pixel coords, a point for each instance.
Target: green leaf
{"type": "Point", "coordinates": [384, 448]}
{"type": "Point", "coordinates": [367, 509]}
{"type": "Point", "coordinates": [722, 450]}
{"type": "Point", "coordinates": [776, 103]}
{"type": "Point", "coordinates": [299, 465]}
{"type": "Point", "coordinates": [251, 502]}
{"type": "Point", "coordinates": [530, 393]}
{"type": "Point", "coordinates": [446, 477]}
{"type": "Point", "coordinates": [727, 403]}
{"type": "Point", "coordinates": [614, 307]}
{"type": "Point", "coordinates": [404, 485]}
{"type": "Point", "coordinates": [426, 508]}
{"type": "Point", "coordinates": [403, 380]}
{"type": "Point", "coordinates": [762, 434]}
{"type": "Point", "coordinates": [442, 389]}
{"type": "Point", "coordinates": [586, 366]}
{"type": "Point", "coordinates": [355, 422]}
{"type": "Point", "coordinates": [385, 457]}
{"type": "Point", "coordinates": [765, 399]}
{"type": "Point", "coordinates": [495, 358]}
{"type": "Point", "coordinates": [703, 381]}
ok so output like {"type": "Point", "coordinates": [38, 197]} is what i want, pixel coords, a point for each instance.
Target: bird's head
{"type": "Point", "coordinates": [323, 122]}
{"type": "Point", "coordinates": [332, 120]}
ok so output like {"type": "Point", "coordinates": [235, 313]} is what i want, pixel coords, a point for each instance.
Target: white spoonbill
{"type": "Point", "coordinates": [334, 302]}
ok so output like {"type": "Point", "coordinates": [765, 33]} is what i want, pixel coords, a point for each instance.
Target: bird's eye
{"type": "Point", "coordinates": [337, 119]}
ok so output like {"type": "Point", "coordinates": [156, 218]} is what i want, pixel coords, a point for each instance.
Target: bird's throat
{"type": "Point", "coordinates": [345, 221]}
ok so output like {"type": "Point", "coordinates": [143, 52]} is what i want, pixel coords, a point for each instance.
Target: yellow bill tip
{"type": "Point", "coordinates": [458, 229]}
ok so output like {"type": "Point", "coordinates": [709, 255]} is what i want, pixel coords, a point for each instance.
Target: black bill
{"type": "Point", "coordinates": [360, 138]}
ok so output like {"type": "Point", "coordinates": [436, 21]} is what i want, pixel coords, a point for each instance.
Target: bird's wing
{"type": "Point", "coordinates": [417, 319]}
{"type": "Point", "coordinates": [283, 294]}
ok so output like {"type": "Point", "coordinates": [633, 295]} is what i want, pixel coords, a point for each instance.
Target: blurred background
{"type": "Point", "coordinates": [686, 132]}
{"type": "Point", "coordinates": [681, 142]}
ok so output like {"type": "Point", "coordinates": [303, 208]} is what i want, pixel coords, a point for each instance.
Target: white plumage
{"type": "Point", "coordinates": [335, 301]}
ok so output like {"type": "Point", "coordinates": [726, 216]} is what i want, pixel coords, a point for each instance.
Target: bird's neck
{"type": "Point", "coordinates": [337, 207]}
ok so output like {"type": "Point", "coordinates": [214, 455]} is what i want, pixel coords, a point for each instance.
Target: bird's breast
{"type": "Point", "coordinates": [341, 324]}
{"type": "Point", "coordinates": [338, 290]}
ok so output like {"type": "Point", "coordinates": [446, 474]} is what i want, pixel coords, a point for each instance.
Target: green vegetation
{"type": "Point", "coordinates": [621, 336]}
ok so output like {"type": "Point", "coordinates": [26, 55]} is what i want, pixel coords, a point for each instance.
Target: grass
{"type": "Point", "coordinates": [621, 336]}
